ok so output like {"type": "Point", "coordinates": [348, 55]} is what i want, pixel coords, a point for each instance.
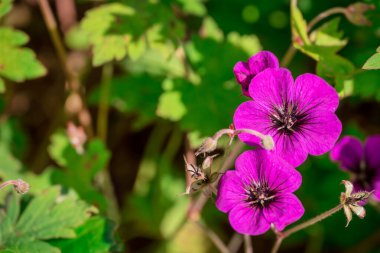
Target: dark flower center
{"type": "Point", "coordinates": [259, 195]}
{"type": "Point", "coordinates": [288, 119]}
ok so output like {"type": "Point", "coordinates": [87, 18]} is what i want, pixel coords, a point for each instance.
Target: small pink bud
{"type": "Point", "coordinates": [77, 136]}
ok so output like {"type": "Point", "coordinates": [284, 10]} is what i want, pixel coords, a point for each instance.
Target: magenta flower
{"type": "Point", "coordinates": [299, 115]}
{"type": "Point", "coordinates": [245, 71]}
{"type": "Point", "coordinates": [362, 162]}
{"type": "Point", "coordinates": [259, 193]}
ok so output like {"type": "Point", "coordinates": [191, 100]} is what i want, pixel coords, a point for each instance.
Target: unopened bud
{"type": "Point", "coordinates": [355, 13]}
{"type": "Point", "coordinates": [208, 162]}
{"type": "Point", "coordinates": [21, 186]}
{"type": "Point", "coordinates": [208, 145]}
{"type": "Point", "coordinates": [267, 142]}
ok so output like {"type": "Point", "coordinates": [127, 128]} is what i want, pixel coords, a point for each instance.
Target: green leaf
{"type": "Point", "coordinates": [99, 24]}
{"type": "Point", "coordinates": [170, 106]}
{"type": "Point", "coordinates": [332, 66]}
{"type": "Point", "coordinates": [195, 7]}
{"type": "Point", "coordinates": [329, 36]}
{"type": "Point", "coordinates": [79, 170]}
{"type": "Point", "coordinates": [20, 63]}
{"type": "Point", "coordinates": [299, 27]}
{"type": "Point", "coordinates": [94, 236]}
{"type": "Point", "coordinates": [49, 215]}
{"type": "Point", "coordinates": [210, 29]}
{"type": "Point", "coordinates": [5, 7]}
{"type": "Point", "coordinates": [373, 62]}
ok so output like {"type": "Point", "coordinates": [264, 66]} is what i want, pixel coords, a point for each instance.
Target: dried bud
{"type": "Point", "coordinates": [352, 202]}
{"type": "Point", "coordinates": [21, 186]}
{"type": "Point", "coordinates": [267, 142]}
{"type": "Point", "coordinates": [355, 13]}
{"type": "Point", "coordinates": [208, 145]}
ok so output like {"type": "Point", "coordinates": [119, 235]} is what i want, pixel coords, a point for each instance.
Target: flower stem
{"type": "Point", "coordinates": [235, 242]}
{"type": "Point", "coordinates": [323, 15]}
{"type": "Point", "coordinates": [102, 119]}
{"type": "Point", "coordinates": [51, 25]}
{"type": "Point", "coordinates": [276, 245]}
{"type": "Point", "coordinates": [282, 235]}
{"type": "Point", "coordinates": [248, 244]}
{"type": "Point", "coordinates": [213, 237]}
{"type": "Point", "coordinates": [20, 186]}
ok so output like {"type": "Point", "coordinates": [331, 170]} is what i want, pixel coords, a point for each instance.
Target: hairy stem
{"type": "Point", "coordinates": [235, 242]}
{"type": "Point", "coordinates": [282, 235]}
{"type": "Point", "coordinates": [248, 244]}
{"type": "Point", "coordinates": [323, 15]}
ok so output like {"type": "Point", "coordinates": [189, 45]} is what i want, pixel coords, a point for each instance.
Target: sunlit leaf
{"type": "Point", "coordinates": [20, 63]}
{"type": "Point", "coordinates": [170, 106]}
{"type": "Point", "coordinates": [299, 27]}
{"type": "Point", "coordinates": [5, 7]}
{"type": "Point", "coordinates": [373, 62]}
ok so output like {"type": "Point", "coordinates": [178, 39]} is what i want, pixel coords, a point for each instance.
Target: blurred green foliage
{"type": "Point", "coordinates": [172, 85]}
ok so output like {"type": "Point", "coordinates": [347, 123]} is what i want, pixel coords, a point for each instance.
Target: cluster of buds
{"type": "Point", "coordinates": [210, 143]}
{"type": "Point", "coordinates": [202, 176]}
{"type": "Point", "coordinates": [353, 202]}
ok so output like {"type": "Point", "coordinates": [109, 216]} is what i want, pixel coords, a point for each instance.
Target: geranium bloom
{"type": "Point", "coordinates": [259, 193]}
{"type": "Point", "coordinates": [299, 115]}
{"type": "Point", "coordinates": [245, 71]}
{"type": "Point", "coordinates": [363, 162]}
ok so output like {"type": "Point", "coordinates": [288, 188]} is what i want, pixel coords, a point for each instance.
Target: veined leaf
{"type": "Point", "coordinates": [48, 216]}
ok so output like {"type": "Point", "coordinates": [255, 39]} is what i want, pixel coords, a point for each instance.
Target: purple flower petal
{"type": "Point", "coordinates": [262, 61]}
{"type": "Point", "coordinates": [313, 93]}
{"type": "Point", "coordinates": [372, 152]}
{"type": "Point", "coordinates": [243, 76]}
{"type": "Point", "coordinates": [298, 115]}
{"type": "Point", "coordinates": [293, 149]}
{"type": "Point", "coordinates": [230, 192]}
{"type": "Point", "coordinates": [252, 116]}
{"type": "Point", "coordinates": [348, 152]}
{"type": "Point", "coordinates": [261, 164]}
{"type": "Point", "coordinates": [271, 87]}
{"type": "Point", "coordinates": [245, 71]}
{"type": "Point", "coordinates": [247, 220]}
{"type": "Point", "coordinates": [258, 193]}
{"type": "Point", "coordinates": [376, 187]}
{"type": "Point", "coordinates": [321, 132]}
{"type": "Point", "coordinates": [284, 211]}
